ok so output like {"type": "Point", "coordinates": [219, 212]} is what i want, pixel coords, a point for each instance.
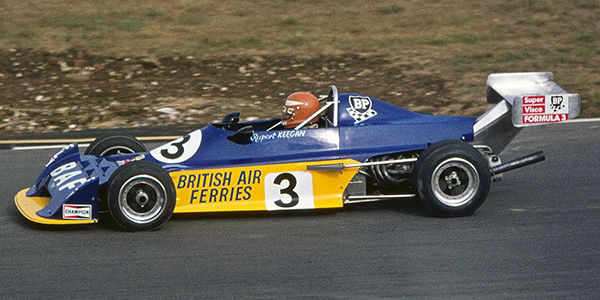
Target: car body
{"type": "Point", "coordinates": [364, 150]}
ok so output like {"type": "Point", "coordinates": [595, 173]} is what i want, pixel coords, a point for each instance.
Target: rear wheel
{"type": "Point", "coordinates": [141, 196]}
{"type": "Point", "coordinates": [452, 179]}
{"type": "Point", "coordinates": [114, 143]}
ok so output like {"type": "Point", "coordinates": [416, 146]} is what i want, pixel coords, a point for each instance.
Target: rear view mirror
{"type": "Point", "coordinates": [231, 118]}
{"type": "Point", "coordinates": [242, 136]}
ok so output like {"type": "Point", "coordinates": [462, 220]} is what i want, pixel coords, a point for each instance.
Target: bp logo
{"type": "Point", "coordinates": [361, 108]}
{"type": "Point", "coordinates": [556, 103]}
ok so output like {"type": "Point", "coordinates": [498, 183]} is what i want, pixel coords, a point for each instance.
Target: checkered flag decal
{"type": "Point", "coordinates": [359, 117]}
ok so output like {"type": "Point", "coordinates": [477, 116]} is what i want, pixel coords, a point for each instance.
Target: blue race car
{"type": "Point", "coordinates": [325, 153]}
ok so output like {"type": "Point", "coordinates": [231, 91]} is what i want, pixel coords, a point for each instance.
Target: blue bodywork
{"type": "Point", "coordinates": [366, 127]}
{"type": "Point", "coordinates": [71, 178]}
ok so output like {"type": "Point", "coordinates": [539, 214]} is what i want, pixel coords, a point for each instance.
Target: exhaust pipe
{"type": "Point", "coordinates": [519, 162]}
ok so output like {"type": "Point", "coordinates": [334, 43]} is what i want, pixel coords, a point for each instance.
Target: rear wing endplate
{"type": "Point", "coordinates": [522, 99]}
{"type": "Point", "coordinates": [535, 98]}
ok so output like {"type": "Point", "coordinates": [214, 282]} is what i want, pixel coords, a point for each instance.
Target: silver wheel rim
{"type": "Point", "coordinates": [116, 150]}
{"type": "Point", "coordinates": [455, 182]}
{"type": "Point", "coordinates": [142, 198]}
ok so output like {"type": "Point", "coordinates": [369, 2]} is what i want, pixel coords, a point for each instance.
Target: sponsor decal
{"type": "Point", "coordinates": [219, 186]}
{"type": "Point", "coordinates": [77, 211]}
{"type": "Point", "coordinates": [361, 108]}
{"type": "Point", "coordinates": [534, 109]}
{"type": "Point", "coordinates": [285, 134]}
{"type": "Point", "coordinates": [533, 100]}
{"type": "Point", "coordinates": [137, 158]}
{"type": "Point", "coordinates": [544, 118]}
{"type": "Point", "coordinates": [67, 176]}
{"type": "Point", "coordinates": [545, 109]}
{"type": "Point", "coordinates": [556, 103]}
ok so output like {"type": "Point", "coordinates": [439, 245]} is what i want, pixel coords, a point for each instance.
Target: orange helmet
{"type": "Point", "coordinates": [298, 107]}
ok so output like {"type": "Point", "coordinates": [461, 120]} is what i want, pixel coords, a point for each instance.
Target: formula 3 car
{"type": "Point", "coordinates": [363, 150]}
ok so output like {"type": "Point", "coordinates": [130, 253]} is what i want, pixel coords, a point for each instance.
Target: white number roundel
{"type": "Point", "coordinates": [289, 190]}
{"type": "Point", "coordinates": [178, 150]}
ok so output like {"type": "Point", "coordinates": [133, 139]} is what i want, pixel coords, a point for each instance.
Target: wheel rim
{"type": "Point", "coordinates": [142, 199]}
{"type": "Point", "coordinates": [455, 182]}
{"type": "Point", "coordinates": [116, 150]}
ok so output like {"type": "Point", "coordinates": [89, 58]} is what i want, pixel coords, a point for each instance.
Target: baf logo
{"type": "Point", "coordinates": [556, 103]}
{"type": "Point", "coordinates": [360, 108]}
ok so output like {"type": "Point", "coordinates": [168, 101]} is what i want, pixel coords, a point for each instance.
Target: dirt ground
{"type": "Point", "coordinates": [48, 92]}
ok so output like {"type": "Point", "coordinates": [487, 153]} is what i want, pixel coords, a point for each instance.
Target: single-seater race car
{"type": "Point", "coordinates": [353, 149]}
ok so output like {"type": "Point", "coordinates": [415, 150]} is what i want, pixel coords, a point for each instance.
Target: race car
{"type": "Point", "coordinates": [339, 150]}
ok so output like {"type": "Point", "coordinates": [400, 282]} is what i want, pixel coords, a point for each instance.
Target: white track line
{"type": "Point", "coordinates": [582, 120]}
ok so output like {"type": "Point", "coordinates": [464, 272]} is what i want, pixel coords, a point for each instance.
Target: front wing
{"type": "Point", "coordinates": [29, 206]}
{"type": "Point", "coordinates": [66, 192]}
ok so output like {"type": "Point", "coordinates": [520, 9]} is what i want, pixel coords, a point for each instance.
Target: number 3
{"type": "Point", "coordinates": [178, 150]}
{"type": "Point", "coordinates": [178, 146]}
{"type": "Point", "coordinates": [289, 190]}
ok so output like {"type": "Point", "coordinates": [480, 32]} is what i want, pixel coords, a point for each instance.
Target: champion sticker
{"type": "Point", "coordinates": [77, 211]}
{"type": "Point", "coordinates": [361, 108]}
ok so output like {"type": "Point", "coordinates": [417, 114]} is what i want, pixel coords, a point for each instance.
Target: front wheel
{"type": "Point", "coordinates": [452, 179]}
{"type": "Point", "coordinates": [141, 196]}
{"type": "Point", "coordinates": [115, 143]}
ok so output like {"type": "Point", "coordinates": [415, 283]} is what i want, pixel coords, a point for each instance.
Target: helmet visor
{"type": "Point", "coordinates": [287, 112]}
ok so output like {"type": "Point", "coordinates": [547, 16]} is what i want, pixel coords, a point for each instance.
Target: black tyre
{"type": "Point", "coordinates": [114, 143]}
{"type": "Point", "coordinates": [452, 179]}
{"type": "Point", "coordinates": [141, 196]}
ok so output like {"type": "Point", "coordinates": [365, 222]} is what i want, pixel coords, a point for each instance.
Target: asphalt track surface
{"type": "Point", "coordinates": [536, 237]}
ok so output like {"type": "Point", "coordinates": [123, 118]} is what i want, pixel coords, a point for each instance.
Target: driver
{"type": "Point", "coordinates": [298, 107]}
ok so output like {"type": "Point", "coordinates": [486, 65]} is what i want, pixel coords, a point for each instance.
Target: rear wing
{"type": "Point", "coordinates": [535, 98]}
{"type": "Point", "coordinates": [522, 99]}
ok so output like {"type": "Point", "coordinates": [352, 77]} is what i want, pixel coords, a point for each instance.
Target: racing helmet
{"type": "Point", "coordinates": [298, 107]}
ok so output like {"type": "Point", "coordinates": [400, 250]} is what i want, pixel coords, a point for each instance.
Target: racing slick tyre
{"type": "Point", "coordinates": [452, 179]}
{"type": "Point", "coordinates": [114, 143]}
{"type": "Point", "coordinates": [141, 196]}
